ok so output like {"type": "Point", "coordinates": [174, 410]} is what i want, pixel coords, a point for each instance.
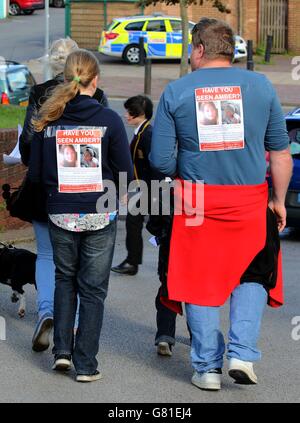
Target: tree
{"type": "Point", "coordinates": [185, 23]}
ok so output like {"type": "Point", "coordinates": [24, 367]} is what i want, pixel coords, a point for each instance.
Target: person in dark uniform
{"type": "Point", "coordinates": [166, 311]}
{"type": "Point", "coordinates": [139, 111]}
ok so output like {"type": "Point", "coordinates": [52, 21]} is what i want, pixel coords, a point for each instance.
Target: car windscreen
{"type": "Point", "coordinates": [19, 79]}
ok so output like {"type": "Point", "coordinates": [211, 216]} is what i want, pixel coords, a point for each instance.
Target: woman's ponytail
{"type": "Point", "coordinates": [54, 107]}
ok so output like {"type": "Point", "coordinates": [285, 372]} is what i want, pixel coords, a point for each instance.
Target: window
{"type": "Point", "coordinates": [156, 26]}
{"type": "Point", "coordinates": [176, 26]}
{"type": "Point", "coordinates": [191, 25]}
{"type": "Point", "coordinates": [294, 135]}
{"type": "Point", "coordinates": [135, 26]}
{"type": "Point", "coordinates": [113, 25]}
{"type": "Point", "coordinates": [2, 85]}
{"type": "Point", "coordinates": [19, 80]}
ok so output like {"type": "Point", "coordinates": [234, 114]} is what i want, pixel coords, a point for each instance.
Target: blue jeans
{"type": "Point", "coordinates": [45, 269]}
{"type": "Point", "coordinates": [83, 261]}
{"type": "Point", "coordinates": [247, 305]}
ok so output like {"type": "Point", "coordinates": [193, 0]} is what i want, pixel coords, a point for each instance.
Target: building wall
{"type": "Point", "coordinates": [195, 12]}
{"type": "Point", "coordinates": [12, 175]}
{"type": "Point", "coordinates": [294, 26]}
{"type": "Point", "coordinates": [86, 24]}
{"type": "Point", "coordinates": [87, 20]}
{"type": "Point", "coordinates": [250, 20]}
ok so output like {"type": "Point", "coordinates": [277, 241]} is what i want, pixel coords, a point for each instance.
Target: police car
{"type": "Point", "coordinates": [162, 38]}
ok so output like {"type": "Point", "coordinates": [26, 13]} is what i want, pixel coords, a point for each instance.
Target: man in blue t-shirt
{"type": "Point", "coordinates": [215, 124]}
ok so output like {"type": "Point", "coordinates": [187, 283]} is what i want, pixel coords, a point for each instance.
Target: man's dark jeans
{"type": "Point", "coordinates": [83, 261]}
{"type": "Point", "coordinates": [134, 239]}
{"type": "Point", "coordinates": [166, 322]}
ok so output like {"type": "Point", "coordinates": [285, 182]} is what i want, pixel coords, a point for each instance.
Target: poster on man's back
{"type": "Point", "coordinates": [79, 164]}
{"type": "Point", "coordinates": [220, 118]}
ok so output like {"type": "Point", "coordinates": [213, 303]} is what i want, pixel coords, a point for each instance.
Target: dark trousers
{"type": "Point", "coordinates": [83, 261]}
{"type": "Point", "coordinates": [166, 322]}
{"type": "Point", "coordinates": [134, 239]}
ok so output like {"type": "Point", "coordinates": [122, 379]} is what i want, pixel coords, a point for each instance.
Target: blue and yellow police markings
{"type": "Point", "coordinates": [174, 44]}
{"type": "Point", "coordinates": [157, 44]}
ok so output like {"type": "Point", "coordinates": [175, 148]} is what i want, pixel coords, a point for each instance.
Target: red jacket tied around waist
{"type": "Point", "coordinates": [234, 244]}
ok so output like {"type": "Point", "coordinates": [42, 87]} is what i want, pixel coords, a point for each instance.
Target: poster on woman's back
{"type": "Point", "coordinates": [220, 120]}
{"type": "Point", "coordinates": [79, 166]}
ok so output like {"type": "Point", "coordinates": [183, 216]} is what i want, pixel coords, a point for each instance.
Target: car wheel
{"type": "Point", "coordinates": [28, 12]}
{"type": "Point", "coordinates": [14, 9]}
{"type": "Point", "coordinates": [58, 3]}
{"type": "Point", "coordinates": [131, 54]}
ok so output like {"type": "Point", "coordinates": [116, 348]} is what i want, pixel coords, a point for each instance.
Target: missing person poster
{"type": "Point", "coordinates": [79, 162]}
{"type": "Point", "coordinates": [220, 118]}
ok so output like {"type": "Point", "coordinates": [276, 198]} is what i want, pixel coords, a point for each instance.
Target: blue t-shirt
{"type": "Point", "coordinates": [175, 143]}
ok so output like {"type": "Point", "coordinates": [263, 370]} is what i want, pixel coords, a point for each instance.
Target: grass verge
{"type": "Point", "coordinates": [11, 116]}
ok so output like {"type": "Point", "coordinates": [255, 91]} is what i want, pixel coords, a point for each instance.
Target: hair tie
{"type": "Point", "coordinates": [77, 78]}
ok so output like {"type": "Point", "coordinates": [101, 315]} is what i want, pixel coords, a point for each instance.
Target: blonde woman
{"type": "Point", "coordinates": [83, 237]}
{"type": "Point", "coordinates": [45, 280]}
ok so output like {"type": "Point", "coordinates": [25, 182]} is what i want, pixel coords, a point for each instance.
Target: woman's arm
{"type": "Point", "coordinates": [36, 157]}
{"type": "Point", "coordinates": [28, 131]}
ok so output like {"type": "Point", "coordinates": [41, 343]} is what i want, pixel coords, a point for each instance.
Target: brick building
{"type": "Point", "coordinates": [253, 19]}
{"type": "Point", "coordinates": [12, 175]}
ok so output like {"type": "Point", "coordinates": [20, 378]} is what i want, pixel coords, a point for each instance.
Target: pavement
{"type": "Point", "coordinates": [120, 80]}
{"type": "Point", "coordinates": [132, 371]}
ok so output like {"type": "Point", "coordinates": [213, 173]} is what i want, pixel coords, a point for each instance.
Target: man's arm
{"type": "Point", "coordinates": [281, 163]}
{"type": "Point", "coordinates": [164, 140]}
{"type": "Point", "coordinates": [281, 166]}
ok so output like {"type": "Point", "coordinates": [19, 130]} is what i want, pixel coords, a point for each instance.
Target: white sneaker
{"type": "Point", "coordinates": [242, 371]}
{"type": "Point", "coordinates": [209, 381]}
{"type": "Point", "coordinates": [89, 378]}
{"type": "Point", "coordinates": [163, 348]}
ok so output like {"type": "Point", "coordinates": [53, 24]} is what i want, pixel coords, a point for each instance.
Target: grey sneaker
{"type": "Point", "coordinates": [40, 340]}
{"type": "Point", "coordinates": [242, 372]}
{"type": "Point", "coordinates": [208, 381]}
{"type": "Point", "coordinates": [89, 378]}
{"type": "Point", "coordinates": [165, 349]}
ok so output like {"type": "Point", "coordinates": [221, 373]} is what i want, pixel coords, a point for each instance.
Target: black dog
{"type": "Point", "coordinates": [17, 268]}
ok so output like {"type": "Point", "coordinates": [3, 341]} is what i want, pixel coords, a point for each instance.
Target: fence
{"type": "Point", "coordinates": [273, 20]}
